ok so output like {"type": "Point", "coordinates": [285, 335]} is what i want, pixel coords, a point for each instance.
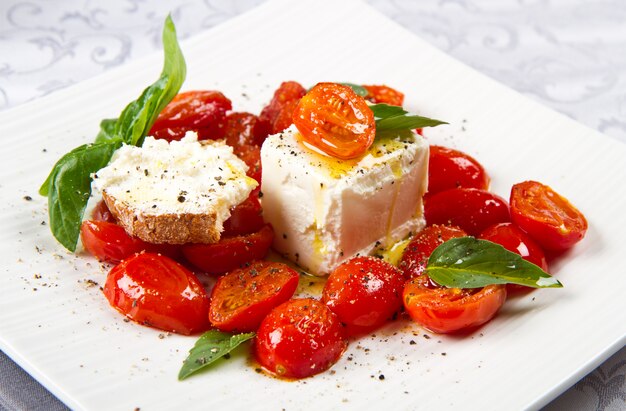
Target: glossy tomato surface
{"type": "Point", "coordinates": [384, 94]}
{"type": "Point", "coordinates": [241, 129]}
{"type": "Point", "coordinates": [279, 112]}
{"type": "Point", "coordinates": [470, 209]}
{"type": "Point", "coordinates": [245, 218]}
{"type": "Point", "coordinates": [334, 119]}
{"type": "Point", "coordinates": [156, 291]}
{"type": "Point", "coordinates": [102, 213]}
{"type": "Point", "coordinates": [230, 252]}
{"type": "Point", "coordinates": [446, 310]}
{"type": "Point", "coordinates": [416, 254]}
{"type": "Point", "coordinates": [449, 168]}
{"type": "Point", "coordinates": [251, 155]}
{"type": "Point", "coordinates": [549, 218]}
{"type": "Point", "coordinates": [299, 338]}
{"type": "Point", "coordinates": [365, 293]}
{"type": "Point", "coordinates": [242, 298]}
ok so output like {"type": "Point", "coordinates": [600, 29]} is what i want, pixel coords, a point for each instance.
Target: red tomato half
{"type": "Point", "coordinates": [242, 298]}
{"type": "Point", "coordinates": [281, 107]}
{"type": "Point", "coordinates": [242, 129]}
{"type": "Point", "coordinates": [448, 168]}
{"type": "Point", "coordinates": [384, 94]}
{"type": "Point", "coordinates": [230, 252]}
{"type": "Point", "coordinates": [471, 209]}
{"type": "Point", "coordinates": [251, 155]}
{"type": "Point", "coordinates": [102, 213]}
{"type": "Point", "coordinates": [365, 293]}
{"type": "Point", "coordinates": [446, 310]}
{"type": "Point", "coordinates": [336, 120]}
{"type": "Point", "coordinates": [546, 216]}
{"type": "Point", "coordinates": [299, 338]}
{"type": "Point", "coordinates": [156, 291]}
{"type": "Point", "coordinates": [245, 218]}
{"type": "Point", "coordinates": [416, 254]}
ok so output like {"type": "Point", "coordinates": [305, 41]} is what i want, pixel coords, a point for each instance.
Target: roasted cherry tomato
{"type": "Point", "coordinates": [201, 111]}
{"type": "Point", "coordinates": [546, 216]}
{"type": "Point", "coordinates": [365, 293]}
{"type": "Point", "coordinates": [251, 155]}
{"type": "Point", "coordinates": [102, 213]}
{"type": "Point", "coordinates": [156, 291]}
{"type": "Point", "coordinates": [334, 119]}
{"type": "Point", "coordinates": [230, 252]}
{"type": "Point", "coordinates": [446, 310]}
{"type": "Point", "coordinates": [471, 209]}
{"type": "Point", "coordinates": [448, 168]}
{"type": "Point", "coordinates": [299, 338]}
{"type": "Point", "coordinates": [416, 254]}
{"type": "Point", "coordinates": [384, 94]}
{"type": "Point", "coordinates": [243, 297]}
{"type": "Point", "coordinates": [281, 107]}
{"type": "Point", "coordinates": [245, 218]}
{"type": "Point", "coordinates": [243, 129]}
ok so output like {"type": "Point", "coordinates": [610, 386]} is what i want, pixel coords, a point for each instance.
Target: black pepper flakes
{"type": "Point", "coordinates": [181, 199]}
{"type": "Point", "coordinates": [28, 198]}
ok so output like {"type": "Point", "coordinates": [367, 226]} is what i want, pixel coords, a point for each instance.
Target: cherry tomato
{"type": "Point", "coordinates": [546, 216]}
{"type": "Point", "coordinates": [336, 120]}
{"type": "Point", "coordinates": [284, 118]}
{"type": "Point", "coordinates": [416, 254]}
{"type": "Point", "coordinates": [471, 209]}
{"type": "Point", "coordinates": [280, 105]}
{"type": "Point", "coordinates": [448, 168]}
{"type": "Point", "coordinates": [245, 218]}
{"type": "Point", "coordinates": [102, 213]}
{"type": "Point", "coordinates": [243, 129]}
{"type": "Point", "coordinates": [299, 338]}
{"type": "Point", "coordinates": [365, 293]}
{"type": "Point", "coordinates": [156, 291]}
{"type": "Point", "coordinates": [446, 310]}
{"type": "Point", "coordinates": [243, 297]}
{"type": "Point", "coordinates": [384, 94]}
{"type": "Point", "coordinates": [251, 155]}
{"type": "Point", "coordinates": [201, 111]}
{"type": "Point", "coordinates": [230, 252]}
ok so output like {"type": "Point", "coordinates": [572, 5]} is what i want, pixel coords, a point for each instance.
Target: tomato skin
{"type": "Point", "coordinates": [299, 338]}
{"type": "Point", "coordinates": [549, 218]}
{"type": "Point", "coordinates": [202, 111]}
{"type": "Point", "coordinates": [364, 293]}
{"type": "Point", "coordinates": [449, 168]}
{"type": "Point", "coordinates": [471, 209]}
{"type": "Point", "coordinates": [334, 119]}
{"type": "Point", "coordinates": [446, 310]}
{"type": "Point", "coordinates": [251, 155]}
{"type": "Point", "coordinates": [384, 94]}
{"type": "Point", "coordinates": [281, 106]}
{"type": "Point", "coordinates": [156, 291]}
{"type": "Point", "coordinates": [230, 252]}
{"type": "Point", "coordinates": [242, 298]}
{"type": "Point", "coordinates": [245, 218]}
{"type": "Point", "coordinates": [242, 129]}
{"type": "Point", "coordinates": [102, 213]}
{"type": "Point", "coordinates": [416, 254]}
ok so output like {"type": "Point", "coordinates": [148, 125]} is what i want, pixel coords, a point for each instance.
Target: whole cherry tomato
{"type": "Point", "coordinates": [384, 94]}
{"type": "Point", "coordinates": [449, 168]}
{"type": "Point", "coordinates": [365, 293]}
{"type": "Point", "coordinates": [282, 106]}
{"type": "Point", "coordinates": [334, 119]}
{"type": "Point", "coordinates": [299, 338]}
{"type": "Point", "coordinates": [242, 298]}
{"type": "Point", "coordinates": [102, 213]}
{"type": "Point", "coordinates": [245, 218]}
{"type": "Point", "coordinates": [416, 254]}
{"type": "Point", "coordinates": [230, 252]}
{"type": "Point", "coordinates": [156, 291]}
{"type": "Point", "coordinates": [550, 219]}
{"type": "Point", "coordinates": [446, 310]}
{"type": "Point", "coordinates": [471, 209]}
{"type": "Point", "coordinates": [243, 129]}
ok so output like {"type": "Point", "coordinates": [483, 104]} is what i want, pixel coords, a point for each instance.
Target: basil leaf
{"type": "Point", "coordinates": [467, 262]}
{"type": "Point", "coordinates": [211, 346]}
{"type": "Point", "coordinates": [107, 131]}
{"type": "Point", "coordinates": [385, 110]}
{"type": "Point", "coordinates": [359, 90]}
{"type": "Point", "coordinates": [406, 122]}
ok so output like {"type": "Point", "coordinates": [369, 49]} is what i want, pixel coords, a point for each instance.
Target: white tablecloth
{"type": "Point", "coordinates": [568, 54]}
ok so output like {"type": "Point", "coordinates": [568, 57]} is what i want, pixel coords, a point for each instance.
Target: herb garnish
{"type": "Point", "coordinates": [394, 118]}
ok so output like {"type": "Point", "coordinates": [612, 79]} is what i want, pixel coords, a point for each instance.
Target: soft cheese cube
{"type": "Point", "coordinates": [325, 210]}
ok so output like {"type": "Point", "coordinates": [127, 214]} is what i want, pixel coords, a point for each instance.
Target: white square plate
{"type": "Point", "coordinates": [56, 324]}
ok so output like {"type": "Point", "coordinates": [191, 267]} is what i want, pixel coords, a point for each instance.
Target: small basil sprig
{"type": "Point", "coordinates": [210, 347]}
{"type": "Point", "coordinates": [394, 118]}
{"type": "Point", "coordinates": [467, 262]}
{"type": "Point", "coordinates": [68, 185]}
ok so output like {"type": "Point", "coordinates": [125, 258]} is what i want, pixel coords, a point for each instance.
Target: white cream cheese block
{"type": "Point", "coordinates": [325, 210]}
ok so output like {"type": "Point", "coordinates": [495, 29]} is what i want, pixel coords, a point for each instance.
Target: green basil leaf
{"type": "Point", "coordinates": [467, 262]}
{"type": "Point", "coordinates": [359, 90]}
{"type": "Point", "coordinates": [107, 131]}
{"type": "Point", "coordinates": [211, 346]}
{"type": "Point", "coordinates": [406, 122]}
{"type": "Point", "coordinates": [385, 110]}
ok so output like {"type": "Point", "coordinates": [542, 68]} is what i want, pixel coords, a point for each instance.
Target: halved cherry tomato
{"type": "Point", "coordinates": [243, 297]}
{"type": "Point", "coordinates": [281, 106]}
{"type": "Point", "coordinates": [384, 94]}
{"type": "Point", "coordinates": [449, 168]}
{"type": "Point", "coordinates": [201, 111]}
{"type": "Point", "coordinates": [251, 155]}
{"type": "Point", "coordinates": [446, 310]}
{"type": "Point", "coordinates": [102, 213]}
{"type": "Point", "coordinates": [245, 218]}
{"type": "Point", "coordinates": [471, 209]}
{"type": "Point", "coordinates": [416, 254]}
{"type": "Point", "coordinates": [299, 338]}
{"type": "Point", "coordinates": [336, 120]}
{"type": "Point", "coordinates": [242, 129]}
{"type": "Point", "coordinates": [230, 252]}
{"type": "Point", "coordinates": [549, 218]}
{"type": "Point", "coordinates": [156, 291]}
{"type": "Point", "coordinates": [365, 293]}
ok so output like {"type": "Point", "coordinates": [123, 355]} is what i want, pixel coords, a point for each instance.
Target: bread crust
{"type": "Point", "coordinates": [164, 228]}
